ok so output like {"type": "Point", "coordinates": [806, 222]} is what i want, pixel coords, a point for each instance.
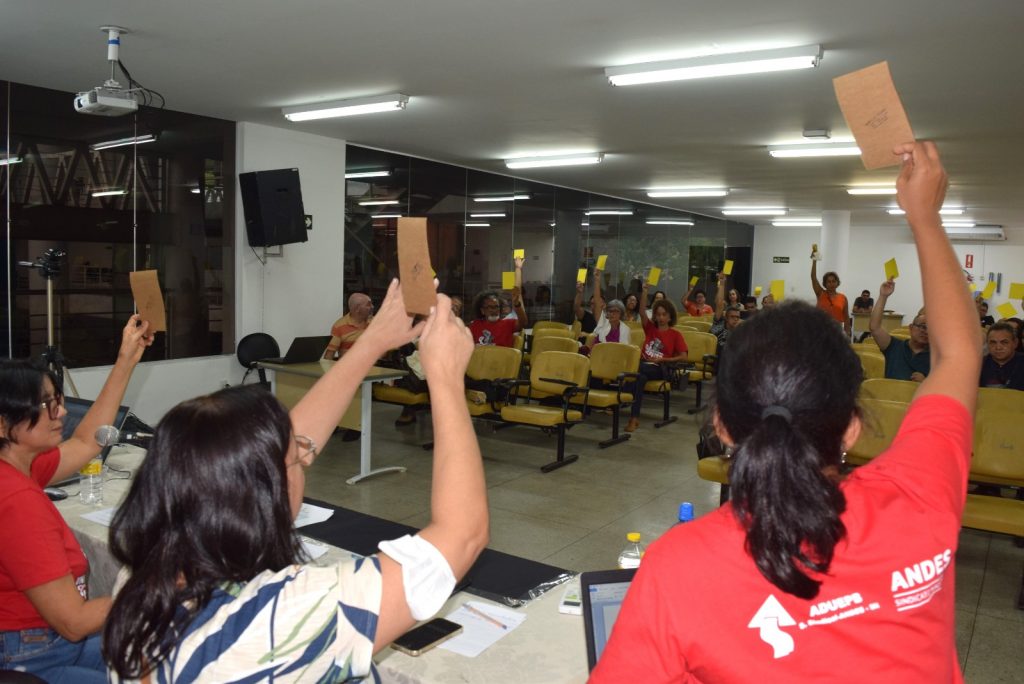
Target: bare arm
{"type": "Point", "coordinates": [720, 297]}
{"type": "Point", "coordinates": [642, 306]}
{"type": "Point", "coordinates": [577, 302]}
{"type": "Point", "coordinates": [598, 298]}
{"type": "Point", "coordinates": [81, 447]}
{"type": "Point", "coordinates": [847, 326]}
{"type": "Point", "coordinates": [458, 502]}
{"type": "Point", "coordinates": [818, 289]}
{"type": "Point", "coordinates": [686, 297]}
{"type": "Point", "coordinates": [517, 297]}
{"type": "Point", "coordinates": [881, 335]}
{"type": "Point", "coordinates": [66, 611]}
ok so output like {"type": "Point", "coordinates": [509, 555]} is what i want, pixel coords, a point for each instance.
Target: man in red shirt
{"type": "Point", "coordinates": [488, 327]}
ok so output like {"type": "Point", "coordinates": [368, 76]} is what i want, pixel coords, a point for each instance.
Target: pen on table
{"type": "Point", "coordinates": [485, 616]}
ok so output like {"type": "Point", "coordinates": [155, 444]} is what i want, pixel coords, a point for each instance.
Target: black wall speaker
{"type": "Point", "coordinates": [272, 202]}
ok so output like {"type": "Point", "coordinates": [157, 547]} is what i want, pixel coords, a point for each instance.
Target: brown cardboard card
{"type": "Point", "coordinates": [414, 269]}
{"type": "Point", "coordinates": [874, 113]}
{"type": "Point", "coordinates": [148, 298]}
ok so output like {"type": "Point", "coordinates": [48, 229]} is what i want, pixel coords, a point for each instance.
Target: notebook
{"type": "Point", "coordinates": [77, 409]}
{"type": "Point", "coordinates": [303, 350]}
{"type": "Point", "coordinates": [603, 592]}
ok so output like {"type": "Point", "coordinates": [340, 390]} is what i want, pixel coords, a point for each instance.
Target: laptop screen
{"type": "Point", "coordinates": [77, 409]}
{"type": "Point", "coordinates": [603, 593]}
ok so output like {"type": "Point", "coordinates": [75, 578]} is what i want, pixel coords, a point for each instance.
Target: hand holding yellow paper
{"type": "Point", "coordinates": [990, 289]}
{"type": "Point", "coordinates": [1006, 310]}
{"type": "Point", "coordinates": [1016, 290]}
{"type": "Point", "coordinates": [778, 290]}
{"type": "Point", "coordinates": [602, 260]}
{"type": "Point", "coordinates": [694, 280]}
{"type": "Point", "coordinates": [581, 275]}
{"type": "Point", "coordinates": [508, 280]}
{"type": "Point", "coordinates": [892, 271]}
{"type": "Point", "coordinates": [518, 253]}
{"type": "Point", "coordinates": [757, 291]}
{"type": "Point", "coordinates": [727, 267]}
{"type": "Point", "coordinates": [654, 275]}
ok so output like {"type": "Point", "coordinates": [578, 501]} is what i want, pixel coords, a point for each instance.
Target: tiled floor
{"type": "Point", "coordinates": [577, 517]}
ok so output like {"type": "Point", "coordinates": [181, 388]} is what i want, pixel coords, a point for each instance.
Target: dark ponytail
{"type": "Point", "coordinates": [786, 394]}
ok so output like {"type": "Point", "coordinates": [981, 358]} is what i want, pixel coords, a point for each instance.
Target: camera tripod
{"type": "Point", "coordinates": [49, 265]}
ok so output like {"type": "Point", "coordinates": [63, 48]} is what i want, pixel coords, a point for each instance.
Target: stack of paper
{"type": "Point", "coordinates": [482, 625]}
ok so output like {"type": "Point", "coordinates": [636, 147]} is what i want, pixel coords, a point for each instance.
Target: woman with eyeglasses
{"type": "Point", "coordinates": [46, 615]}
{"type": "Point", "coordinates": [215, 585]}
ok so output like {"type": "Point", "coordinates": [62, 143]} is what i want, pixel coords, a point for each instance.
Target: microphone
{"type": "Point", "coordinates": [108, 435]}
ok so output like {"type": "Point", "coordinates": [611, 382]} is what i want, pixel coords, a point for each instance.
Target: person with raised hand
{"type": "Point", "coordinates": [807, 575]}
{"type": "Point", "coordinates": [216, 586]}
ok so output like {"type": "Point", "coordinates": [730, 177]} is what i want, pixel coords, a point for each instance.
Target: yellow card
{"type": "Point", "coordinates": [654, 275]}
{"type": "Point", "coordinates": [727, 268]}
{"type": "Point", "coordinates": [601, 261]}
{"type": "Point", "coordinates": [778, 290]}
{"type": "Point", "coordinates": [758, 291]}
{"type": "Point", "coordinates": [972, 287]}
{"type": "Point", "coordinates": [518, 253]}
{"type": "Point", "coordinates": [990, 289]}
{"type": "Point", "coordinates": [508, 280]}
{"type": "Point", "coordinates": [1006, 310]}
{"type": "Point", "coordinates": [581, 275]}
{"type": "Point", "coordinates": [694, 280]}
{"type": "Point", "coordinates": [1016, 290]}
{"type": "Point", "coordinates": [892, 271]}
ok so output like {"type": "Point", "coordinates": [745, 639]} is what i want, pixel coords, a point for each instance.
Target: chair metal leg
{"type": "Point", "coordinates": [697, 406]}
{"type": "Point", "coordinates": [666, 397]}
{"type": "Point", "coordinates": [562, 459]}
{"type": "Point", "coordinates": [616, 438]}
{"type": "Point", "coordinates": [723, 495]}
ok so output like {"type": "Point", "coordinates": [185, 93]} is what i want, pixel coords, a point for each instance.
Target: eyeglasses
{"type": "Point", "coordinates": [52, 405]}
{"type": "Point", "coordinates": [923, 327]}
{"type": "Point", "coordinates": [307, 451]}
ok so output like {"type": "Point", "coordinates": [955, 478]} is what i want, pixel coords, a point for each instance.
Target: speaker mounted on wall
{"type": "Point", "coordinates": [272, 202]}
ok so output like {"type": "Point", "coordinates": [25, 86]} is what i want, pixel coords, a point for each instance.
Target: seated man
{"type": "Point", "coordinates": [699, 305]}
{"type": "Point", "coordinates": [1003, 367]}
{"type": "Point", "coordinates": [904, 359]}
{"type": "Point", "coordinates": [347, 329]}
{"type": "Point", "coordinates": [749, 307]}
{"type": "Point", "coordinates": [863, 303]}
{"type": "Point", "coordinates": [727, 318]}
{"type": "Point", "coordinates": [488, 327]}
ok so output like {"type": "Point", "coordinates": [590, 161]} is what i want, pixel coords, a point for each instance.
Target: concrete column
{"type": "Point", "coordinates": [834, 244]}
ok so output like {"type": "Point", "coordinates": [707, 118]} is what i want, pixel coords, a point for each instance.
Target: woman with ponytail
{"type": "Point", "coordinates": [807, 574]}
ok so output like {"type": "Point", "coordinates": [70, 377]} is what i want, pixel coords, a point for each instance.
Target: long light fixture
{"type": "Point", "coordinates": [669, 222]}
{"type": "Point", "coordinates": [944, 211]}
{"type": "Point", "coordinates": [832, 149]}
{"type": "Point", "coordinates": [502, 198]}
{"type": "Point", "coordinates": [477, 225]}
{"type": "Point", "coordinates": [754, 211]}
{"type": "Point", "coordinates": [6, 161]}
{"type": "Point", "coordinates": [554, 160]}
{"type": "Point", "coordinates": [359, 105]}
{"type": "Point", "coordinates": [122, 142]}
{"type": "Point", "coordinates": [958, 224]}
{"type": "Point", "coordinates": [872, 190]}
{"type": "Point", "coordinates": [368, 174]}
{"type": "Point", "coordinates": [687, 192]}
{"type": "Point", "coordinates": [609, 212]}
{"type": "Point", "coordinates": [976, 233]}
{"type": "Point", "coordinates": [708, 66]}
{"type": "Point", "coordinates": [109, 193]}
{"type": "Point", "coordinates": [798, 223]}
{"type": "Point", "coordinates": [386, 216]}
{"type": "Point", "coordinates": [488, 215]}
{"type": "Point", "coordinates": [378, 203]}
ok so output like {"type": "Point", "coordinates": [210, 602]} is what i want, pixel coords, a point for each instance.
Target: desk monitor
{"type": "Point", "coordinates": [77, 409]}
{"type": "Point", "coordinates": [602, 592]}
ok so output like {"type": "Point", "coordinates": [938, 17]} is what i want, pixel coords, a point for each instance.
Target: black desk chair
{"type": "Point", "coordinates": [251, 349]}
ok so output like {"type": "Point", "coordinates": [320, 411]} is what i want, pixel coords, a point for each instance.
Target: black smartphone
{"type": "Point", "coordinates": [425, 637]}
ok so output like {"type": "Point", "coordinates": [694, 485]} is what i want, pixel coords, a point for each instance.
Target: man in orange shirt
{"type": "Point", "coordinates": [347, 329]}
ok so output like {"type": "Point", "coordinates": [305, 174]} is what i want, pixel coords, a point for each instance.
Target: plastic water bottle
{"type": "Point", "coordinates": [634, 551]}
{"type": "Point", "coordinates": [91, 485]}
{"type": "Point", "coordinates": [685, 512]}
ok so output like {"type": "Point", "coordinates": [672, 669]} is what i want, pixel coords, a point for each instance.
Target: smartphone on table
{"type": "Point", "coordinates": [425, 637]}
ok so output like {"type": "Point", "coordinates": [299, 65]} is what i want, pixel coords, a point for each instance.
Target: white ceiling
{"type": "Point", "coordinates": [490, 80]}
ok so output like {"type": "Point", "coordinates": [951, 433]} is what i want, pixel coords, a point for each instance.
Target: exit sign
{"type": "Point", "coordinates": [780, 260]}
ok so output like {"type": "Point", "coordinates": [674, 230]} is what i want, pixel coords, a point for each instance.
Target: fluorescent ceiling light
{"type": "Point", "coordinates": [609, 212]}
{"type": "Point", "coordinates": [814, 150]}
{"type": "Point", "coordinates": [109, 193]}
{"type": "Point", "coordinates": [872, 190]}
{"type": "Point", "coordinates": [669, 222]}
{"type": "Point", "coordinates": [687, 192]}
{"type": "Point", "coordinates": [798, 223]}
{"type": "Point", "coordinates": [491, 215]}
{"type": "Point", "coordinates": [10, 160]}
{"type": "Point", "coordinates": [502, 198]}
{"type": "Point", "coordinates": [122, 142]}
{"type": "Point", "coordinates": [195, 191]}
{"type": "Point", "coordinates": [977, 233]}
{"type": "Point", "coordinates": [377, 203]}
{"type": "Point", "coordinates": [754, 211]}
{"type": "Point", "coordinates": [351, 107]}
{"type": "Point", "coordinates": [368, 174]}
{"type": "Point", "coordinates": [478, 225]}
{"type": "Point", "coordinates": [958, 224]}
{"type": "Point", "coordinates": [944, 211]}
{"type": "Point", "coordinates": [584, 225]}
{"type": "Point", "coordinates": [383, 216]}
{"type": "Point", "coordinates": [708, 66]}
{"type": "Point", "coordinates": [554, 160]}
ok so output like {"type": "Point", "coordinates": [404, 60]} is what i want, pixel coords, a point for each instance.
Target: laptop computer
{"type": "Point", "coordinates": [303, 350]}
{"type": "Point", "coordinates": [76, 410]}
{"type": "Point", "coordinates": [603, 592]}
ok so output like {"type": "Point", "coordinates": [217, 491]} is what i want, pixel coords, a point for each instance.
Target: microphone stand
{"type": "Point", "coordinates": [49, 266]}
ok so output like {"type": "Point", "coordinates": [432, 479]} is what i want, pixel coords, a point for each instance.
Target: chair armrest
{"type": "Point", "coordinates": [567, 396]}
{"type": "Point", "coordinates": [510, 397]}
{"type": "Point", "coordinates": [568, 383]}
{"type": "Point", "coordinates": [622, 379]}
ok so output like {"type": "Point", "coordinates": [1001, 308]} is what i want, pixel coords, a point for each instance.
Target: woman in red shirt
{"type": "Point", "coordinates": [46, 615]}
{"type": "Point", "coordinates": [830, 301]}
{"type": "Point", "coordinates": [663, 345]}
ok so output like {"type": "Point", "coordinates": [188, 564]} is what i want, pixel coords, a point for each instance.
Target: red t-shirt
{"type": "Point", "coordinates": [694, 310]}
{"type": "Point", "coordinates": [699, 610]}
{"type": "Point", "coordinates": [499, 333]}
{"type": "Point", "coordinates": [660, 344]}
{"type": "Point", "coordinates": [36, 545]}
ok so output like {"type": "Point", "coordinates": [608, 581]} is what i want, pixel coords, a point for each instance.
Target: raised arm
{"type": "Point", "coordinates": [818, 289]}
{"type": "Point", "coordinates": [881, 335]}
{"type": "Point", "coordinates": [81, 447]}
{"type": "Point", "coordinates": [847, 325]}
{"type": "Point", "coordinates": [952, 318]}
{"type": "Point", "coordinates": [517, 297]}
{"type": "Point", "coordinates": [642, 306]}
{"type": "Point", "coordinates": [458, 501]}
{"type": "Point", "coordinates": [686, 297]}
{"type": "Point", "coordinates": [577, 302]}
{"type": "Point", "coordinates": [598, 298]}
{"type": "Point", "coordinates": [720, 297]}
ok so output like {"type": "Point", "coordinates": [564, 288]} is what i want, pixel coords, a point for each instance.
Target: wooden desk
{"type": "Point", "coordinates": [292, 381]}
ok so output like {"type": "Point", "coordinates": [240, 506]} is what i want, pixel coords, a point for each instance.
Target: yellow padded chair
{"type": "Point", "coordinates": [872, 362]}
{"type": "Point", "coordinates": [698, 324]}
{"type": "Point", "coordinates": [550, 343]}
{"type": "Point", "coordinates": [615, 365]}
{"type": "Point", "coordinates": [577, 329]}
{"type": "Point", "coordinates": [637, 337]}
{"type": "Point", "coordinates": [491, 363]}
{"type": "Point", "coordinates": [882, 419]}
{"type": "Point", "coordinates": [716, 469]}
{"type": "Point", "coordinates": [550, 325]}
{"type": "Point", "coordinates": [635, 325]}
{"type": "Point", "coordinates": [887, 388]}
{"type": "Point", "coordinates": [702, 354]}
{"type": "Point", "coordinates": [554, 374]}
{"type": "Point", "coordinates": [994, 398]}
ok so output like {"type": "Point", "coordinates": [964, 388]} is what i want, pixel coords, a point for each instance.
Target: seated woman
{"type": "Point", "coordinates": [46, 615]}
{"type": "Point", "coordinates": [663, 345]}
{"type": "Point", "coordinates": [632, 304]}
{"type": "Point", "coordinates": [214, 587]}
{"type": "Point", "coordinates": [806, 575]}
{"type": "Point", "coordinates": [699, 305]}
{"type": "Point", "coordinates": [610, 327]}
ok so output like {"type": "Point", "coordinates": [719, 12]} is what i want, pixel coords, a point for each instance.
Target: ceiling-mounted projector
{"type": "Point", "coordinates": [106, 101]}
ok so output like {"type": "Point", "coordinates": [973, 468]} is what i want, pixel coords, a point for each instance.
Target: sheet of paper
{"type": "Point", "coordinates": [654, 275]}
{"type": "Point", "coordinates": [990, 289]}
{"type": "Point", "coordinates": [694, 280]}
{"type": "Point", "coordinates": [778, 290]}
{"type": "Point", "coordinates": [415, 272]}
{"type": "Point", "coordinates": [581, 275]}
{"type": "Point", "coordinates": [1016, 290]}
{"type": "Point", "coordinates": [518, 253]}
{"type": "Point", "coordinates": [602, 261]}
{"type": "Point", "coordinates": [727, 267]}
{"type": "Point", "coordinates": [874, 113]}
{"type": "Point", "coordinates": [757, 291]}
{"type": "Point", "coordinates": [104, 516]}
{"type": "Point", "coordinates": [1006, 310]}
{"type": "Point", "coordinates": [508, 280]}
{"type": "Point", "coordinates": [478, 632]}
{"type": "Point", "coordinates": [310, 515]}
{"type": "Point", "coordinates": [892, 271]}
{"type": "Point", "coordinates": [148, 298]}
{"type": "Point", "coordinates": [314, 549]}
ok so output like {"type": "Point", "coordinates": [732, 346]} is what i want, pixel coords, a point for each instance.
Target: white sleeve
{"type": "Point", "coordinates": [426, 576]}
